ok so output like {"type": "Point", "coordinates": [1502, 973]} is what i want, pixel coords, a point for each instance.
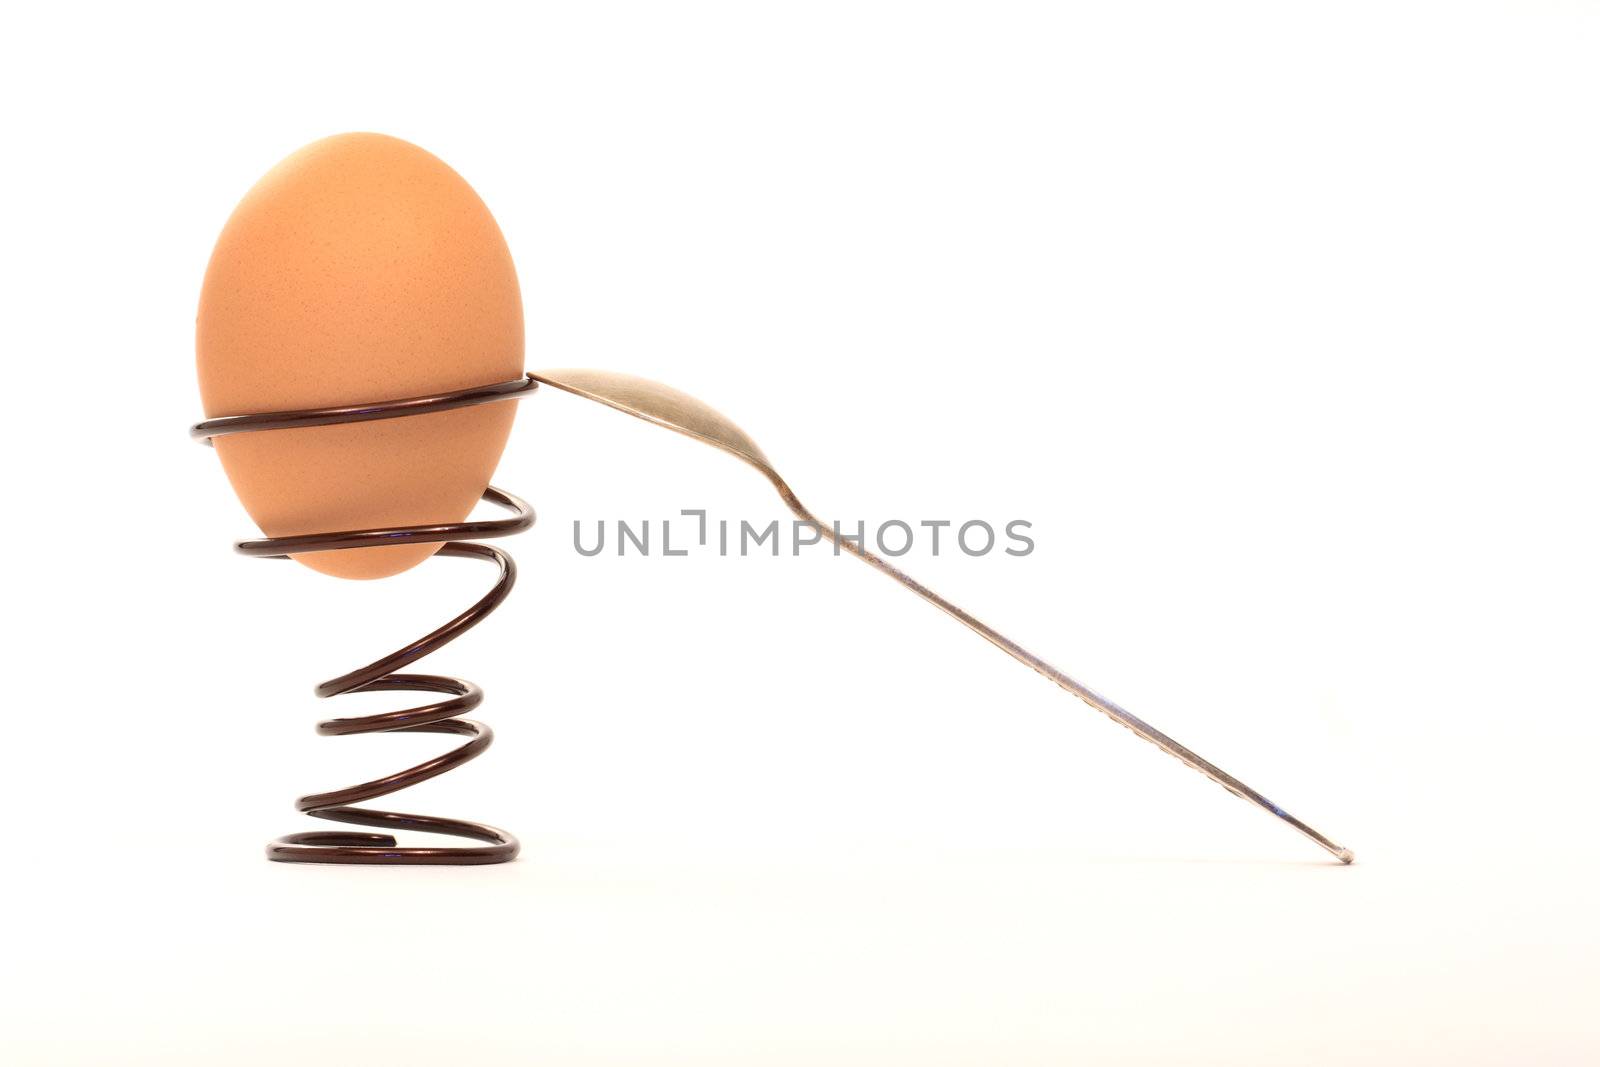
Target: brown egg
{"type": "Point", "coordinates": [359, 269]}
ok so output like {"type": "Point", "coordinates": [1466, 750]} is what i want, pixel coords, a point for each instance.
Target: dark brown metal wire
{"type": "Point", "coordinates": [441, 717]}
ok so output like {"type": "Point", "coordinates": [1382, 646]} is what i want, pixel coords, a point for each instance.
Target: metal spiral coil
{"type": "Point", "coordinates": [382, 675]}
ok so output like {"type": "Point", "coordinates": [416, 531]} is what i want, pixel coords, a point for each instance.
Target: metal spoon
{"type": "Point", "coordinates": [678, 411]}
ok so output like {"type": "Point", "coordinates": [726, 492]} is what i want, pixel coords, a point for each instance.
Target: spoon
{"type": "Point", "coordinates": [678, 411]}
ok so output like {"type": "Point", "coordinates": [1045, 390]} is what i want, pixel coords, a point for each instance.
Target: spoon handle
{"type": "Point", "coordinates": [679, 412]}
{"type": "Point", "coordinates": [1110, 708]}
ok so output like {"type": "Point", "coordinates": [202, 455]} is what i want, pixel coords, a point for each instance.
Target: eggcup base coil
{"type": "Point", "coordinates": [385, 674]}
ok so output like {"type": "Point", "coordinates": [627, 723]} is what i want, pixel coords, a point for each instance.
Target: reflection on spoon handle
{"type": "Point", "coordinates": [1076, 688]}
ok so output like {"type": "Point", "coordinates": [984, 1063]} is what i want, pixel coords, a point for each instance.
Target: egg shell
{"type": "Point", "coordinates": [359, 269]}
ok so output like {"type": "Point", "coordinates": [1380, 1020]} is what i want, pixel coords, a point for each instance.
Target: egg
{"type": "Point", "coordinates": [359, 269]}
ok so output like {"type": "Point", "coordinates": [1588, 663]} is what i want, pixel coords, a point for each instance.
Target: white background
{"type": "Point", "coordinates": [1278, 321]}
